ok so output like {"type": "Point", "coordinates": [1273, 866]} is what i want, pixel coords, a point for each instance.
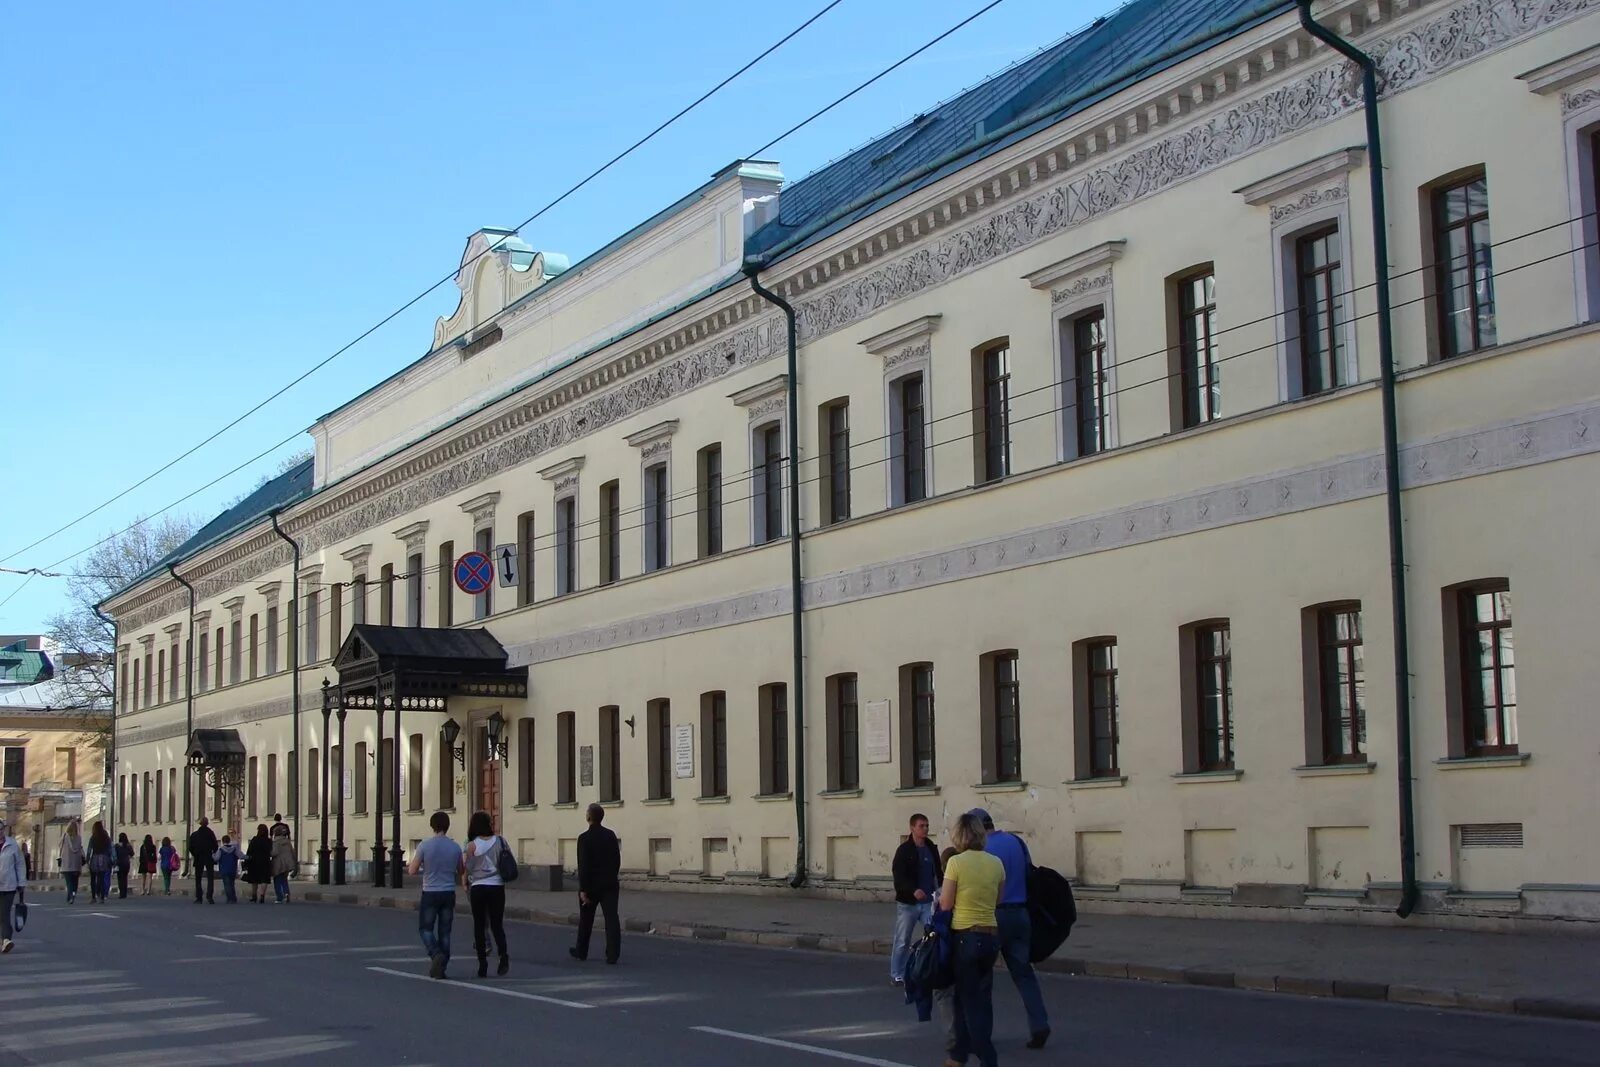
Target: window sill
{"type": "Point", "coordinates": [772, 798]}
{"type": "Point", "coordinates": [609, 804]}
{"type": "Point", "coordinates": [723, 799]}
{"type": "Point", "coordinates": [415, 811]}
{"type": "Point", "coordinates": [1196, 777]}
{"type": "Point", "coordinates": [520, 807]}
{"type": "Point", "coordinates": [656, 802]}
{"type": "Point", "coordinates": [1097, 783]}
{"type": "Point", "coordinates": [1459, 763]}
{"type": "Point", "coordinates": [915, 791]}
{"type": "Point", "coordinates": [837, 793]}
{"type": "Point", "coordinates": [985, 788]}
{"type": "Point", "coordinates": [1333, 770]}
{"type": "Point", "coordinates": [565, 805]}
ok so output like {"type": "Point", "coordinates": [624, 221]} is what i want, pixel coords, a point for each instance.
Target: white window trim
{"type": "Point", "coordinates": [906, 350]}
{"type": "Point", "coordinates": [655, 450]}
{"type": "Point", "coordinates": [563, 477]}
{"type": "Point", "coordinates": [1063, 314]}
{"type": "Point", "coordinates": [1574, 80]}
{"type": "Point", "coordinates": [767, 404]}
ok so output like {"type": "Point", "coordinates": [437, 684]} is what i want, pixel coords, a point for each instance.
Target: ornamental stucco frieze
{"type": "Point", "coordinates": [1409, 57]}
{"type": "Point", "coordinates": [1309, 199]}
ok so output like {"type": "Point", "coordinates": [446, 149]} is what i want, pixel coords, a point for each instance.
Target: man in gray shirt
{"type": "Point", "coordinates": [438, 859]}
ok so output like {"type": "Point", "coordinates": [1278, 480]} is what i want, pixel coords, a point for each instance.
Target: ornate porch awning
{"type": "Point", "coordinates": [417, 667]}
{"type": "Point", "coordinates": [213, 748]}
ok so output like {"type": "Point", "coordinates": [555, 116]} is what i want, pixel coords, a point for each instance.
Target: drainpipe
{"type": "Point", "coordinates": [294, 671]}
{"type": "Point", "coordinates": [796, 605]}
{"type": "Point", "coordinates": [1391, 453]}
{"type": "Point", "coordinates": [111, 758]}
{"type": "Point", "coordinates": [188, 712]}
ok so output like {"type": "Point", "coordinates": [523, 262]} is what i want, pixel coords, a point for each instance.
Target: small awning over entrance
{"type": "Point", "coordinates": [419, 666]}
{"type": "Point", "coordinates": [215, 748]}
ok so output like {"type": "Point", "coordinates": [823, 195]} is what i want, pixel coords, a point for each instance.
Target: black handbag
{"type": "Point", "coordinates": [505, 863]}
{"type": "Point", "coordinates": [930, 965]}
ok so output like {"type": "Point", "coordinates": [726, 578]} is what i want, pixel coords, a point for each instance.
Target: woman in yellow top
{"type": "Point", "coordinates": [972, 883]}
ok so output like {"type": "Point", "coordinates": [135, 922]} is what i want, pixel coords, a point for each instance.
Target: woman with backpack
{"type": "Point", "coordinates": [124, 855]}
{"type": "Point", "coordinates": [487, 889]}
{"type": "Point", "coordinates": [149, 861]}
{"type": "Point", "coordinates": [69, 859]}
{"type": "Point", "coordinates": [167, 857]}
{"type": "Point", "coordinates": [101, 861]}
{"type": "Point", "coordinates": [258, 864]}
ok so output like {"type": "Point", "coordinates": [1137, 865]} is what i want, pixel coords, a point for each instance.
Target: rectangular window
{"type": "Point", "coordinates": [313, 626]}
{"type": "Point", "coordinates": [566, 758]}
{"type": "Point", "coordinates": [610, 532]}
{"type": "Point", "coordinates": [844, 733]}
{"type": "Point", "coordinates": [202, 660]}
{"type": "Point", "coordinates": [609, 773]}
{"type": "Point", "coordinates": [1213, 658]}
{"type": "Point", "coordinates": [67, 767]}
{"type": "Point", "coordinates": [414, 589]}
{"type": "Point", "coordinates": [1488, 670]}
{"type": "Point", "coordinates": [1199, 379]}
{"type": "Point", "coordinates": [769, 482]}
{"type": "Point", "coordinates": [992, 429]}
{"type": "Point", "coordinates": [414, 773]}
{"type": "Point", "coordinates": [358, 600]}
{"type": "Point", "coordinates": [483, 603]}
{"type": "Point", "coordinates": [144, 804]}
{"type": "Point", "coordinates": [1095, 708]}
{"type": "Point", "coordinates": [1092, 412]}
{"type": "Point", "coordinates": [222, 640]}
{"type": "Point", "coordinates": [658, 727]}
{"type": "Point", "coordinates": [525, 543]}
{"type": "Point", "coordinates": [161, 677]}
{"type": "Point", "coordinates": [918, 762]}
{"type": "Point", "coordinates": [386, 594]}
{"type": "Point", "coordinates": [656, 518]}
{"type": "Point", "coordinates": [252, 790]}
{"type": "Point", "coordinates": [172, 794]}
{"type": "Point", "coordinates": [566, 546]}
{"type": "Point", "coordinates": [709, 500]}
{"type": "Point", "coordinates": [122, 684]}
{"type": "Point", "coordinates": [714, 744]}
{"type": "Point", "coordinates": [272, 639]}
{"type": "Point", "coordinates": [136, 683]}
{"type": "Point", "coordinates": [314, 787]}
{"type": "Point", "coordinates": [255, 654]}
{"type": "Point", "coordinates": [1004, 716]}
{"type": "Point", "coordinates": [16, 759]}
{"type": "Point", "coordinates": [834, 432]}
{"type": "Point", "coordinates": [272, 782]}
{"type": "Point", "coordinates": [447, 776]}
{"type": "Point", "coordinates": [525, 761]}
{"type": "Point", "coordinates": [172, 667]}
{"type": "Point", "coordinates": [912, 431]}
{"type": "Point", "coordinates": [1464, 272]}
{"type": "Point", "coordinates": [1319, 295]}
{"type": "Point", "coordinates": [1341, 684]}
{"type": "Point", "coordinates": [774, 730]}
{"type": "Point", "coordinates": [149, 673]}
{"type": "Point", "coordinates": [447, 600]}
{"type": "Point", "coordinates": [360, 789]}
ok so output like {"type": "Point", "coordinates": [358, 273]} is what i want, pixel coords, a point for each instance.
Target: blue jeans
{"type": "Point", "coordinates": [228, 891]}
{"type": "Point", "coordinates": [280, 886]}
{"type": "Point", "coordinates": [909, 919]}
{"type": "Point", "coordinates": [975, 956]}
{"type": "Point", "coordinates": [1016, 933]}
{"type": "Point", "coordinates": [435, 915]}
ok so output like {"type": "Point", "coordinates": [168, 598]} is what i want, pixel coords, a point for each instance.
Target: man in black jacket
{"type": "Point", "coordinates": [916, 872]}
{"type": "Point", "coordinates": [203, 854]}
{"type": "Point", "coordinates": [599, 864]}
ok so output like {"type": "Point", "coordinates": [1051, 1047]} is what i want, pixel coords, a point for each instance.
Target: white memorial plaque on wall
{"type": "Point", "coordinates": [880, 740]}
{"type": "Point", "coordinates": [683, 750]}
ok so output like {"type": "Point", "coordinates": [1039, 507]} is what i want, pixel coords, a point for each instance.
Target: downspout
{"type": "Point", "coordinates": [111, 757]}
{"type": "Point", "coordinates": [1391, 454]}
{"type": "Point", "coordinates": [294, 672]}
{"type": "Point", "coordinates": [188, 711]}
{"type": "Point", "coordinates": [796, 605]}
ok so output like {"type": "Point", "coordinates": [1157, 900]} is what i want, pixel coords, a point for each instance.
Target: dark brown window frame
{"type": "Point", "coordinates": [1089, 716]}
{"type": "Point", "coordinates": [769, 466]}
{"type": "Point", "coordinates": [610, 532]}
{"type": "Point", "coordinates": [991, 410]}
{"type": "Point", "coordinates": [1319, 300]}
{"type": "Point", "coordinates": [709, 499]}
{"type": "Point", "coordinates": [414, 589]}
{"type": "Point", "coordinates": [834, 432]}
{"type": "Point", "coordinates": [446, 567]}
{"type": "Point", "coordinates": [773, 722]}
{"type": "Point", "coordinates": [1480, 314]}
{"type": "Point", "coordinates": [526, 540]}
{"type": "Point", "coordinates": [1467, 707]}
{"type": "Point", "coordinates": [657, 518]}
{"type": "Point", "coordinates": [910, 446]}
{"type": "Point", "coordinates": [843, 732]}
{"type": "Point", "coordinates": [567, 545]}
{"type": "Point", "coordinates": [1325, 724]}
{"type": "Point", "coordinates": [608, 775]}
{"type": "Point", "coordinates": [918, 725]}
{"type": "Point", "coordinates": [1193, 662]}
{"type": "Point", "coordinates": [527, 752]}
{"type": "Point", "coordinates": [658, 731]}
{"type": "Point", "coordinates": [714, 741]}
{"type": "Point", "coordinates": [1091, 421]}
{"type": "Point", "coordinates": [1194, 343]}
{"type": "Point", "coordinates": [1000, 710]}
{"type": "Point", "coordinates": [567, 757]}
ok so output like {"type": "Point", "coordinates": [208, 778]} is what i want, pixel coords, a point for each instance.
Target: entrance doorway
{"type": "Point", "coordinates": [488, 776]}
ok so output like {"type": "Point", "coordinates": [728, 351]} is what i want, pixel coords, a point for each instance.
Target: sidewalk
{"type": "Point", "coordinates": [1545, 974]}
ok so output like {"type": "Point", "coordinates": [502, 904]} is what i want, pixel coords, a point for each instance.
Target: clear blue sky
{"type": "Point", "coordinates": [197, 204]}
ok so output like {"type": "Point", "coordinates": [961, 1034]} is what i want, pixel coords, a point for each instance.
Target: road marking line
{"type": "Point", "coordinates": [253, 959]}
{"type": "Point", "coordinates": [77, 991]}
{"type": "Point", "coordinates": [497, 991]}
{"type": "Point", "coordinates": [259, 1049]}
{"type": "Point", "coordinates": [102, 915]}
{"type": "Point", "coordinates": [42, 1014]}
{"type": "Point", "coordinates": [78, 1035]}
{"type": "Point", "coordinates": [383, 948]}
{"type": "Point", "coordinates": [293, 941]}
{"type": "Point", "coordinates": [34, 978]}
{"type": "Point", "coordinates": [250, 933]}
{"type": "Point", "coordinates": [213, 937]}
{"type": "Point", "coordinates": [814, 1049]}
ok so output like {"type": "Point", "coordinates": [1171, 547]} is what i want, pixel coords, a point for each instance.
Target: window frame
{"type": "Point", "coordinates": [1464, 698]}
{"type": "Point", "coordinates": [21, 767]}
{"type": "Point", "coordinates": [910, 456]}
{"type": "Point", "coordinates": [568, 577]}
{"type": "Point", "coordinates": [833, 440]}
{"type": "Point", "coordinates": [608, 773]}
{"type": "Point", "coordinates": [773, 730]}
{"type": "Point", "coordinates": [708, 500]}
{"type": "Point", "coordinates": [714, 744]}
{"type": "Point", "coordinates": [843, 732]}
{"type": "Point", "coordinates": [1482, 335]}
{"type": "Point", "coordinates": [919, 732]}
{"type": "Point", "coordinates": [767, 461]}
{"type": "Point", "coordinates": [1089, 713]}
{"type": "Point", "coordinates": [992, 459]}
{"type": "Point", "coordinates": [1330, 279]}
{"type": "Point", "coordinates": [1322, 720]}
{"type": "Point", "coordinates": [1000, 706]}
{"type": "Point", "coordinates": [609, 535]}
{"type": "Point", "coordinates": [657, 493]}
{"type": "Point", "coordinates": [1194, 661]}
{"type": "Point", "coordinates": [567, 757]}
{"type": "Point", "coordinates": [658, 749]}
{"type": "Point", "coordinates": [1187, 345]}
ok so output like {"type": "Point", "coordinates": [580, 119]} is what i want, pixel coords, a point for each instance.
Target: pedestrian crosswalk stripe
{"type": "Point", "coordinates": [34, 978]}
{"type": "Point", "coordinates": [496, 990]}
{"type": "Point", "coordinates": [260, 1050]}
{"type": "Point", "coordinates": [16, 1041]}
{"type": "Point", "coordinates": [77, 991]}
{"type": "Point", "coordinates": [75, 1011]}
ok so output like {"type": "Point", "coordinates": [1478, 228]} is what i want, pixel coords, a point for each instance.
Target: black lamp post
{"type": "Point", "coordinates": [495, 728]}
{"type": "Point", "coordinates": [338, 838]}
{"type": "Point", "coordinates": [324, 870]}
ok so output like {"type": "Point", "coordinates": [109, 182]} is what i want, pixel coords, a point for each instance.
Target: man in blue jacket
{"type": "Point", "coordinates": [1016, 930]}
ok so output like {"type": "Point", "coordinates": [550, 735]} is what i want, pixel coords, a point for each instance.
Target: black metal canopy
{"type": "Point", "coordinates": [215, 748]}
{"type": "Point", "coordinates": [419, 666]}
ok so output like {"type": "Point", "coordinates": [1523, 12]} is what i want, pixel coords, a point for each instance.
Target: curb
{"type": "Point", "coordinates": [1293, 985]}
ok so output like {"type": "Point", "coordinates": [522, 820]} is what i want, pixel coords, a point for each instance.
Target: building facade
{"type": "Point", "coordinates": [1092, 523]}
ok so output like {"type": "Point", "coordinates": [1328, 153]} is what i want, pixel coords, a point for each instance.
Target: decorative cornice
{"type": "Point", "coordinates": [571, 465]}
{"type": "Point", "coordinates": [755, 394]}
{"type": "Point", "coordinates": [234, 606]}
{"type": "Point", "coordinates": [660, 433]}
{"type": "Point", "coordinates": [1305, 201]}
{"type": "Point", "coordinates": [1286, 183]}
{"type": "Point", "coordinates": [921, 326]}
{"type": "Point", "coordinates": [358, 557]}
{"type": "Point", "coordinates": [920, 352]}
{"type": "Point", "coordinates": [135, 733]}
{"type": "Point", "coordinates": [1096, 260]}
{"type": "Point", "coordinates": [480, 507]}
{"type": "Point", "coordinates": [271, 591]}
{"type": "Point", "coordinates": [1579, 100]}
{"type": "Point", "coordinates": [148, 641]}
{"type": "Point", "coordinates": [1564, 72]}
{"type": "Point", "coordinates": [1083, 285]}
{"type": "Point", "coordinates": [415, 536]}
{"type": "Point", "coordinates": [311, 574]}
{"type": "Point", "coordinates": [202, 620]}
{"type": "Point", "coordinates": [174, 630]}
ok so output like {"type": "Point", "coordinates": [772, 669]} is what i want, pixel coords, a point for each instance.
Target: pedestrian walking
{"type": "Point", "coordinates": [13, 883]}
{"type": "Point", "coordinates": [228, 858]}
{"type": "Point", "coordinates": [167, 855]}
{"type": "Point", "coordinates": [284, 861]}
{"type": "Point", "coordinates": [973, 883]}
{"type": "Point", "coordinates": [599, 865]}
{"type": "Point", "coordinates": [1016, 929]}
{"type": "Point", "coordinates": [916, 870]}
{"type": "Point", "coordinates": [69, 859]}
{"type": "Point", "coordinates": [149, 862]}
{"type": "Point", "coordinates": [124, 855]}
{"type": "Point", "coordinates": [438, 860]}
{"type": "Point", "coordinates": [101, 860]}
{"type": "Point", "coordinates": [486, 890]}
{"type": "Point", "coordinates": [258, 864]}
{"type": "Point", "coordinates": [27, 856]}
{"type": "Point", "coordinates": [203, 854]}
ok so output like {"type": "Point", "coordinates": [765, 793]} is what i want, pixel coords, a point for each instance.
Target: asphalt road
{"type": "Point", "coordinates": [166, 981]}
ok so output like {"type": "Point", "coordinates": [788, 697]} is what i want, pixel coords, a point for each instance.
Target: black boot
{"type": "Point", "coordinates": [483, 966]}
{"type": "Point", "coordinates": [505, 965]}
